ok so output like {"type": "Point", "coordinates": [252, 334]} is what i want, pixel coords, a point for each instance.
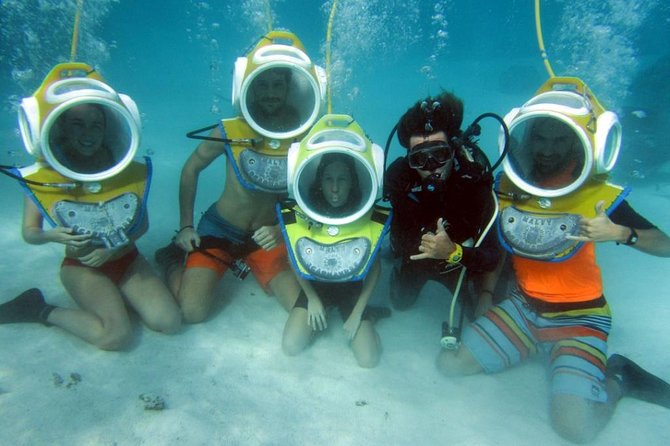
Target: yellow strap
{"type": "Point", "coordinates": [457, 255]}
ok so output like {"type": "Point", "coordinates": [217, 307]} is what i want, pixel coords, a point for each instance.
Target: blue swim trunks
{"type": "Point", "coordinates": [574, 340]}
{"type": "Point", "coordinates": [212, 224]}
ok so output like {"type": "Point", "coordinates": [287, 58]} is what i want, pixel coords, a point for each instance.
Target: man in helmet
{"type": "Point", "coordinates": [558, 307]}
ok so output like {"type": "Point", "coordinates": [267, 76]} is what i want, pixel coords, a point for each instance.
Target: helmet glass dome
{"type": "Point", "coordinates": [280, 100]}
{"type": "Point", "coordinates": [549, 154]}
{"type": "Point", "coordinates": [335, 187]}
{"type": "Point", "coordinates": [88, 139]}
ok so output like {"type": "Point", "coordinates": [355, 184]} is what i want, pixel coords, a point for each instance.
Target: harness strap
{"type": "Point", "coordinates": [236, 250]}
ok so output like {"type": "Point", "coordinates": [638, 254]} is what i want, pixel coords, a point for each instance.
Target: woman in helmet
{"type": "Point", "coordinates": [335, 193]}
{"type": "Point", "coordinates": [99, 278]}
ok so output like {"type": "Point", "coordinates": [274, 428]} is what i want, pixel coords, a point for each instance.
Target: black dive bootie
{"type": "Point", "coordinates": [28, 306]}
{"type": "Point", "coordinates": [635, 382]}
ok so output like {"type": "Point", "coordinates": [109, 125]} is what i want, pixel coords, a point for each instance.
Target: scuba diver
{"type": "Point", "coordinates": [333, 231]}
{"type": "Point", "coordinates": [87, 187]}
{"type": "Point", "coordinates": [442, 202]}
{"type": "Point", "coordinates": [555, 206]}
{"type": "Point", "coordinates": [279, 93]}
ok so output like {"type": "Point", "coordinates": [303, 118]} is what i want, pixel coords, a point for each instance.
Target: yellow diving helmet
{"type": "Point", "coordinates": [277, 73]}
{"type": "Point", "coordinates": [84, 136]}
{"type": "Point", "coordinates": [563, 109]}
{"type": "Point", "coordinates": [562, 146]}
{"type": "Point", "coordinates": [43, 118]}
{"type": "Point", "coordinates": [335, 175]}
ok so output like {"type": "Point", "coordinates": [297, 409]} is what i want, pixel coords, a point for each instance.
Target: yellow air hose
{"type": "Point", "coordinates": [540, 40]}
{"type": "Point", "coordinates": [268, 14]}
{"type": "Point", "coordinates": [75, 31]}
{"type": "Point", "coordinates": [329, 37]}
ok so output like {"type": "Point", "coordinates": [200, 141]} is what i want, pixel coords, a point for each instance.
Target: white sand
{"type": "Point", "coordinates": [226, 381]}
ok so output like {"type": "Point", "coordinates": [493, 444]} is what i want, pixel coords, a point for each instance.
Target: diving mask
{"type": "Point", "coordinates": [430, 155]}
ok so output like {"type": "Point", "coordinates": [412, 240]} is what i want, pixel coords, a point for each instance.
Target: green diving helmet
{"type": "Point", "coordinates": [335, 174]}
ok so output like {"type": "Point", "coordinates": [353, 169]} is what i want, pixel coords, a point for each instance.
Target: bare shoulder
{"type": "Point", "coordinates": [206, 152]}
{"type": "Point", "coordinates": [211, 148]}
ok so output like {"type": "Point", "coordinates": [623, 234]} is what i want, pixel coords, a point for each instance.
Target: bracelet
{"type": "Point", "coordinates": [457, 255]}
{"type": "Point", "coordinates": [184, 227]}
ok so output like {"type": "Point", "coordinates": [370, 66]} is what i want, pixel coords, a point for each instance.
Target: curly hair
{"type": "Point", "coordinates": [430, 115]}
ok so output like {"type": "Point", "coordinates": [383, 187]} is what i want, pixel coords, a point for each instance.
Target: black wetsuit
{"type": "Point", "coordinates": [466, 207]}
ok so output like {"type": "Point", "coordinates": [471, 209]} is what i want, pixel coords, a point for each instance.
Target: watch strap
{"type": "Point", "coordinates": [632, 238]}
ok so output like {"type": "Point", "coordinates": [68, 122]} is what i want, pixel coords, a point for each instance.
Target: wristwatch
{"type": "Point", "coordinates": [632, 238]}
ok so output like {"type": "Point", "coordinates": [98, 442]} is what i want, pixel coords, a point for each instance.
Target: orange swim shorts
{"type": "Point", "coordinates": [264, 265]}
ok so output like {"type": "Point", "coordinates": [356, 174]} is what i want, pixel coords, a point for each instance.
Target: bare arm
{"type": "Point", "coordinates": [34, 233]}
{"type": "Point", "coordinates": [202, 157]}
{"type": "Point", "coordinates": [487, 286]}
{"type": "Point", "coordinates": [316, 313]}
{"type": "Point", "coordinates": [354, 320]}
{"type": "Point", "coordinates": [652, 241]}
{"type": "Point", "coordinates": [602, 229]}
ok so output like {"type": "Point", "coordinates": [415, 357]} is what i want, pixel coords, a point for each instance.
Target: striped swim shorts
{"type": "Point", "coordinates": [574, 340]}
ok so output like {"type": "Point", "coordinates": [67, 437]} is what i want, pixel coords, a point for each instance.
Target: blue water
{"type": "Point", "coordinates": [175, 60]}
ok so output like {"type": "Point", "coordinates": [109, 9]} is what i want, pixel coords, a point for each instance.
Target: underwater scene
{"type": "Point", "coordinates": [176, 69]}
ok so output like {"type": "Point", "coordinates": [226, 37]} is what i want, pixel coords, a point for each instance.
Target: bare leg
{"type": "Point", "coordinates": [173, 278]}
{"type": "Point", "coordinates": [457, 363]}
{"type": "Point", "coordinates": [297, 332]}
{"type": "Point", "coordinates": [580, 420]}
{"type": "Point", "coordinates": [170, 260]}
{"type": "Point", "coordinates": [150, 297]}
{"type": "Point", "coordinates": [196, 293]}
{"type": "Point", "coordinates": [366, 345]}
{"type": "Point", "coordinates": [103, 320]}
{"type": "Point", "coordinates": [286, 289]}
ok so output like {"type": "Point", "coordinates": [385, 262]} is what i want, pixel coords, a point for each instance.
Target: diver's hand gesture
{"type": "Point", "coordinates": [599, 228]}
{"type": "Point", "coordinates": [267, 237]}
{"type": "Point", "coordinates": [316, 314]}
{"type": "Point", "coordinates": [64, 235]}
{"type": "Point", "coordinates": [187, 239]}
{"type": "Point", "coordinates": [436, 245]}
